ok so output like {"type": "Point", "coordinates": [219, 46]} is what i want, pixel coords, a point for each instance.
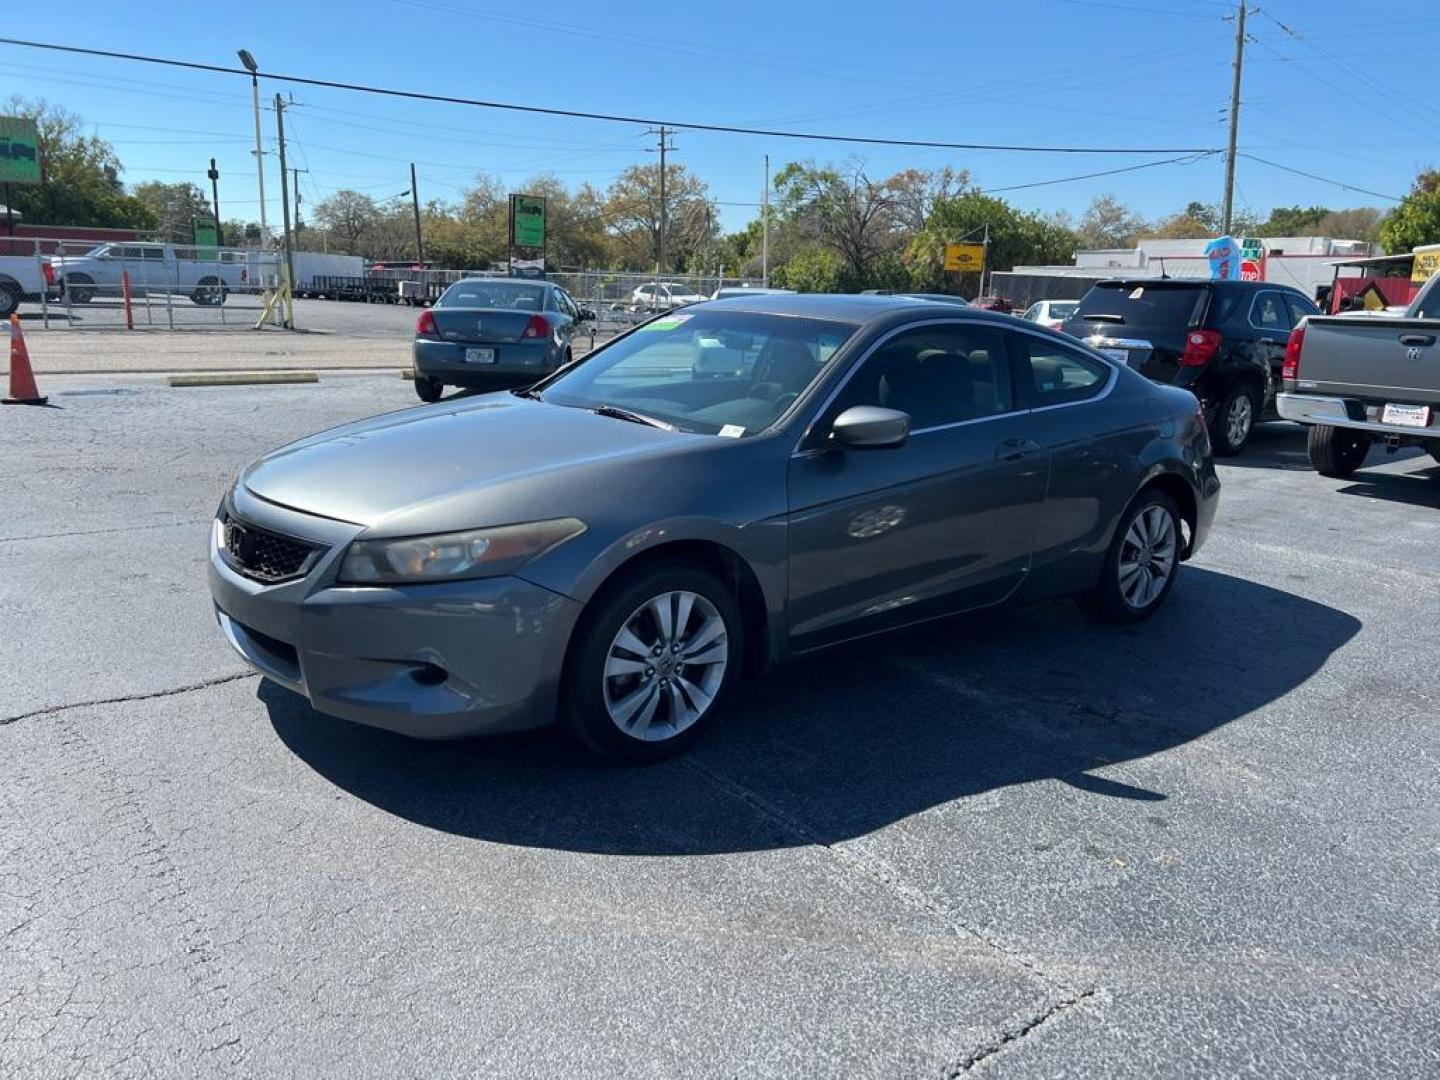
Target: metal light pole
{"type": "Point", "coordinates": [765, 227]}
{"type": "Point", "coordinates": [415, 205]}
{"type": "Point", "coordinates": [253, 68]}
{"type": "Point", "coordinates": [214, 175]}
{"type": "Point", "coordinates": [285, 196]}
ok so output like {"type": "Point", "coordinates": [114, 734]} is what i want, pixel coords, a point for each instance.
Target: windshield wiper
{"type": "Point", "coordinates": [617, 413]}
{"type": "Point", "coordinates": [529, 392]}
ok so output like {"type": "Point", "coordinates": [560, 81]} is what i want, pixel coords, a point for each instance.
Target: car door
{"type": "Point", "coordinates": [1090, 447]}
{"type": "Point", "coordinates": [567, 312]}
{"type": "Point", "coordinates": [880, 538]}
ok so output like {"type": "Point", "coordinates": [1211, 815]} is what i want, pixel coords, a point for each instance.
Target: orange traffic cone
{"type": "Point", "coordinates": [23, 390]}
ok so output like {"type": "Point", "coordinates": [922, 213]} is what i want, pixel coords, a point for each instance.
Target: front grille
{"type": "Point", "coordinates": [266, 556]}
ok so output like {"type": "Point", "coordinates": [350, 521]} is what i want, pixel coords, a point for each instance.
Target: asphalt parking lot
{"type": "Point", "coordinates": [1022, 844]}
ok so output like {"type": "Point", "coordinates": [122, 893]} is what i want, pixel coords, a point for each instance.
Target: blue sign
{"type": "Point", "coordinates": [1224, 256]}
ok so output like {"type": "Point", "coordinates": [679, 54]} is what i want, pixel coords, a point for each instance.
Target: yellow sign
{"type": "Point", "coordinates": [1426, 263]}
{"type": "Point", "coordinates": [965, 257]}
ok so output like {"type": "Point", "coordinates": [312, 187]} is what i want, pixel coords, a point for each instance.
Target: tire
{"type": "Point", "coordinates": [1120, 596]}
{"type": "Point", "coordinates": [80, 288]}
{"type": "Point", "coordinates": [1235, 419]}
{"type": "Point", "coordinates": [656, 704]}
{"type": "Point", "coordinates": [209, 292]}
{"type": "Point", "coordinates": [428, 389]}
{"type": "Point", "coordinates": [1336, 452]}
{"type": "Point", "coordinates": [9, 299]}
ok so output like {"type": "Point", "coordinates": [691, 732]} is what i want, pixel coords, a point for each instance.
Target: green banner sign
{"type": "Point", "coordinates": [19, 151]}
{"type": "Point", "coordinates": [527, 221]}
{"type": "Point", "coordinates": [207, 239]}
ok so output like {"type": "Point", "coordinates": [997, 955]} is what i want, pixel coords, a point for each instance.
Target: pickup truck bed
{"type": "Point", "coordinates": [1358, 380]}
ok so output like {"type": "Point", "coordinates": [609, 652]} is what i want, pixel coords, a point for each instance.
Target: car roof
{"type": "Point", "coordinates": [848, 307]}
{"type": "Point", "coordinates": [1172, 282]}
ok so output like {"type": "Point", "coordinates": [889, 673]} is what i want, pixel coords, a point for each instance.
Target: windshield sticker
{"type": "Point", "coordinates": [1138, 292]}
{"type": "Point", "coordinates": [731, 431]}
{"type": "Point", "coordinates": [670, 322]}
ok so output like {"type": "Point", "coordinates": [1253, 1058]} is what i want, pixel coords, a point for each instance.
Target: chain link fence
{"type": "Point", "coordinates": [79, 285]}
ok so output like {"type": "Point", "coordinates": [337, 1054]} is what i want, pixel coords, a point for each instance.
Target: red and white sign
{"type": "Point", "coordinates": [1249, 270]}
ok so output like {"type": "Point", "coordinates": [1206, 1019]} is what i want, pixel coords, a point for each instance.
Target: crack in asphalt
{"type": "Point", "coordinates": [880, 871]}
{"type": "Point", "coordinates": [101, 532]}
{"type": "Point", "coordinates": [1007, 1039]}
{"type": "Point", "coordinates": [203, 684]}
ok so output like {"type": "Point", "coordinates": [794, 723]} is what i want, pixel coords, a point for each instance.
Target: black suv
{"type": "Point", "coordinates": [1222, 340]}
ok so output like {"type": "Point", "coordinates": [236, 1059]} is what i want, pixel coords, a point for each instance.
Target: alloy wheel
{"type": "Point", "coordinates": [665, 666]}
{"type": "Point", "coordinates": [1238, 419]}
{"type": "Point", "coordinates": [1147, 556]}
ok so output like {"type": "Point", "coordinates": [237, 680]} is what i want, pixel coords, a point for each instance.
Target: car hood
{"type": "Point", "coordinates": [492, 459]}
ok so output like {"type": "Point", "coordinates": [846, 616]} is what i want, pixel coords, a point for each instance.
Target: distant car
{"type": "Point", "coordinates": [494, 334]}
{"type": "Point", "coordinates": [662, 296]}
{"type": "Point", "coordinates": [1001, 304]}
{"type": "Point", "coordinates": [731, 291]}
{"type": "Point", "coordinates": [1051, 313]}
{"type": "Point", "coordinates": [1224, 341]}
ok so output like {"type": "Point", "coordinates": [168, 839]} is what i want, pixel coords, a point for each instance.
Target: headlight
{"type": "Point", "coordinates": [452, 556]}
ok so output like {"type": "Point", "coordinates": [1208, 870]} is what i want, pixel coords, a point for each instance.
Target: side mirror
{"type": "Point", "coordinates": [587, 315]}
{"type": "Point", "coordinates": [869, 427]}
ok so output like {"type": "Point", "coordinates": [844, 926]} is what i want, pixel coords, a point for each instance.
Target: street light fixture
{"type": "Point", "coordinates": [253, 68]}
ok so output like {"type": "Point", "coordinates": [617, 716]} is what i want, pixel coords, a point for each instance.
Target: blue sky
{"type": "Point", "coordinates": [1150, 73]}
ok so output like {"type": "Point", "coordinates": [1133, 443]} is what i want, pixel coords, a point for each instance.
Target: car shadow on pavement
{"type": "Point", "coordinates": [1420, 487]}
{"type": "Point", "coordinates": [860, 737]}
{"type": "Point", "coordinates": [1276, 445]}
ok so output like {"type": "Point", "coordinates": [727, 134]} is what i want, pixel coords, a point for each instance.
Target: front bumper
{"type": "Point", "coordinates": [1334, 412]}
{"type": "Point", "coordinates": [438, 661]}
{"type": "Point", "coordinates": [517, 364]}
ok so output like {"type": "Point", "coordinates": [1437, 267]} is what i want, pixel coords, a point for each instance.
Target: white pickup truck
{"type": "Point", "coordinates": [204, 275]}
{"type": "Point", "coordinates": [22, 278]}
{"type": "Point", "coordinates": [1358, 380]}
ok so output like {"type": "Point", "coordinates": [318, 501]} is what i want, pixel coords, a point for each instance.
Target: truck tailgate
{"type": "Point", "coordinates": [1374, 358]}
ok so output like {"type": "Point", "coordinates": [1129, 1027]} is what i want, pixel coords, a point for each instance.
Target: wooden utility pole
{"type": "Point", "coordinates": [1227, 213]}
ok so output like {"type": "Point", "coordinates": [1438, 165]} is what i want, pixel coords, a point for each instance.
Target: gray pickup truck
{"type": "Point", "coordinates": [1357, 380]}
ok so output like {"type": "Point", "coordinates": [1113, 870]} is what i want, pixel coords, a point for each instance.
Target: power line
{"type": "Point", "coordinates": [1184, 159]}
{"type": "Point", "coordinates": [730, 129]}
{"type": "Point", "coordinates": [1322, 179]}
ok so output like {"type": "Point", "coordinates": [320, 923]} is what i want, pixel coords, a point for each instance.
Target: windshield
{"type": "Point", "coordinates": [1144, 304]}
{"type": "Point", "coordinates": [731, 373]}
{"type": "Point", "coordinates": [494, 294]}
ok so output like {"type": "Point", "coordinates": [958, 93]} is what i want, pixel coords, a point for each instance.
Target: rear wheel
{"type": "Point", "coordinates": [428, 389]}
{"type": "Point", "coordinates": [1235, 419]}
{"type": "Point", "coordinates": [79, 288]}
{"type": "Point", "coordinates": [1142, 562]}
{"type": "Point", "coordinates": [1336, 452]}
{"type": "Point", "coordinates": [209, 292]}
{"type": "Point", "coordinates": [9, 299]}
{"type": "Point", "coordinates": [653, 661]}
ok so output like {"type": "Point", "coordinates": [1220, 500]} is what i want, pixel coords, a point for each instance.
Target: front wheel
{"type": "Point", "coordinates": [1142, 562]}
{"type": "Point", "coordinates": [209, 292]}
{"type": "Point", "coordinates": [653, 661]}
{"type": "Point", "coordinates": [428, 389]}
{"type": "Point", "coordinates": [1235, 419]}
{"type": "Point", "coordinates": [1336, 452]}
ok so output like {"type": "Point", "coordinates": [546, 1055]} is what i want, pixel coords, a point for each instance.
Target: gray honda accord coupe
{"type": "Point", "coordinates": [719, 490]}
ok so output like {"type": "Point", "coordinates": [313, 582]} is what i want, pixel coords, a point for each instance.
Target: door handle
{"type": "Point", "coordinates": [1015, 449]}
{"type": "Point", "coordinates": [1417, 339]}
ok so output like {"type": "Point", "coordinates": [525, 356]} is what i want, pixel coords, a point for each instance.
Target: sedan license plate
{"type": "Point", "coordinates": [1406, 415]}
{"type": "Point", "coordinates": [480, 356]}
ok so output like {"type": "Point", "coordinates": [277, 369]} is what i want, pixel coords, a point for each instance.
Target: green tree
{"type": "Point", "coordinates": [81, 175]}
{"type": "Point", "coordinates": [1199, 221]}
{"type": "Point", "coordinates": [1109, 223]}
{"type": "Point", "coordinates": [175, 207]}
{"type": "Point", "coordinates": [1017, 238]}
{"type": "Point", "coordinates": [811, 269]}
{"type": "Point", "coordinates": [632, 210]}
{"type": "Point", "coordinates": [1293, 221]}
{"type": "Point", "coordinates": [842, 209]}
{"type": "Point", "coordinates": [1357, 223]}
{"type": "Point", "coordinates": [1416, 220]}
{"type": "Point", "coordinates": [351, 219]}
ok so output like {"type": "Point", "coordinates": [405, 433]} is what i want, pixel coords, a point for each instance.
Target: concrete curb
{"type": "Point", "coordinates": [242, 378]}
